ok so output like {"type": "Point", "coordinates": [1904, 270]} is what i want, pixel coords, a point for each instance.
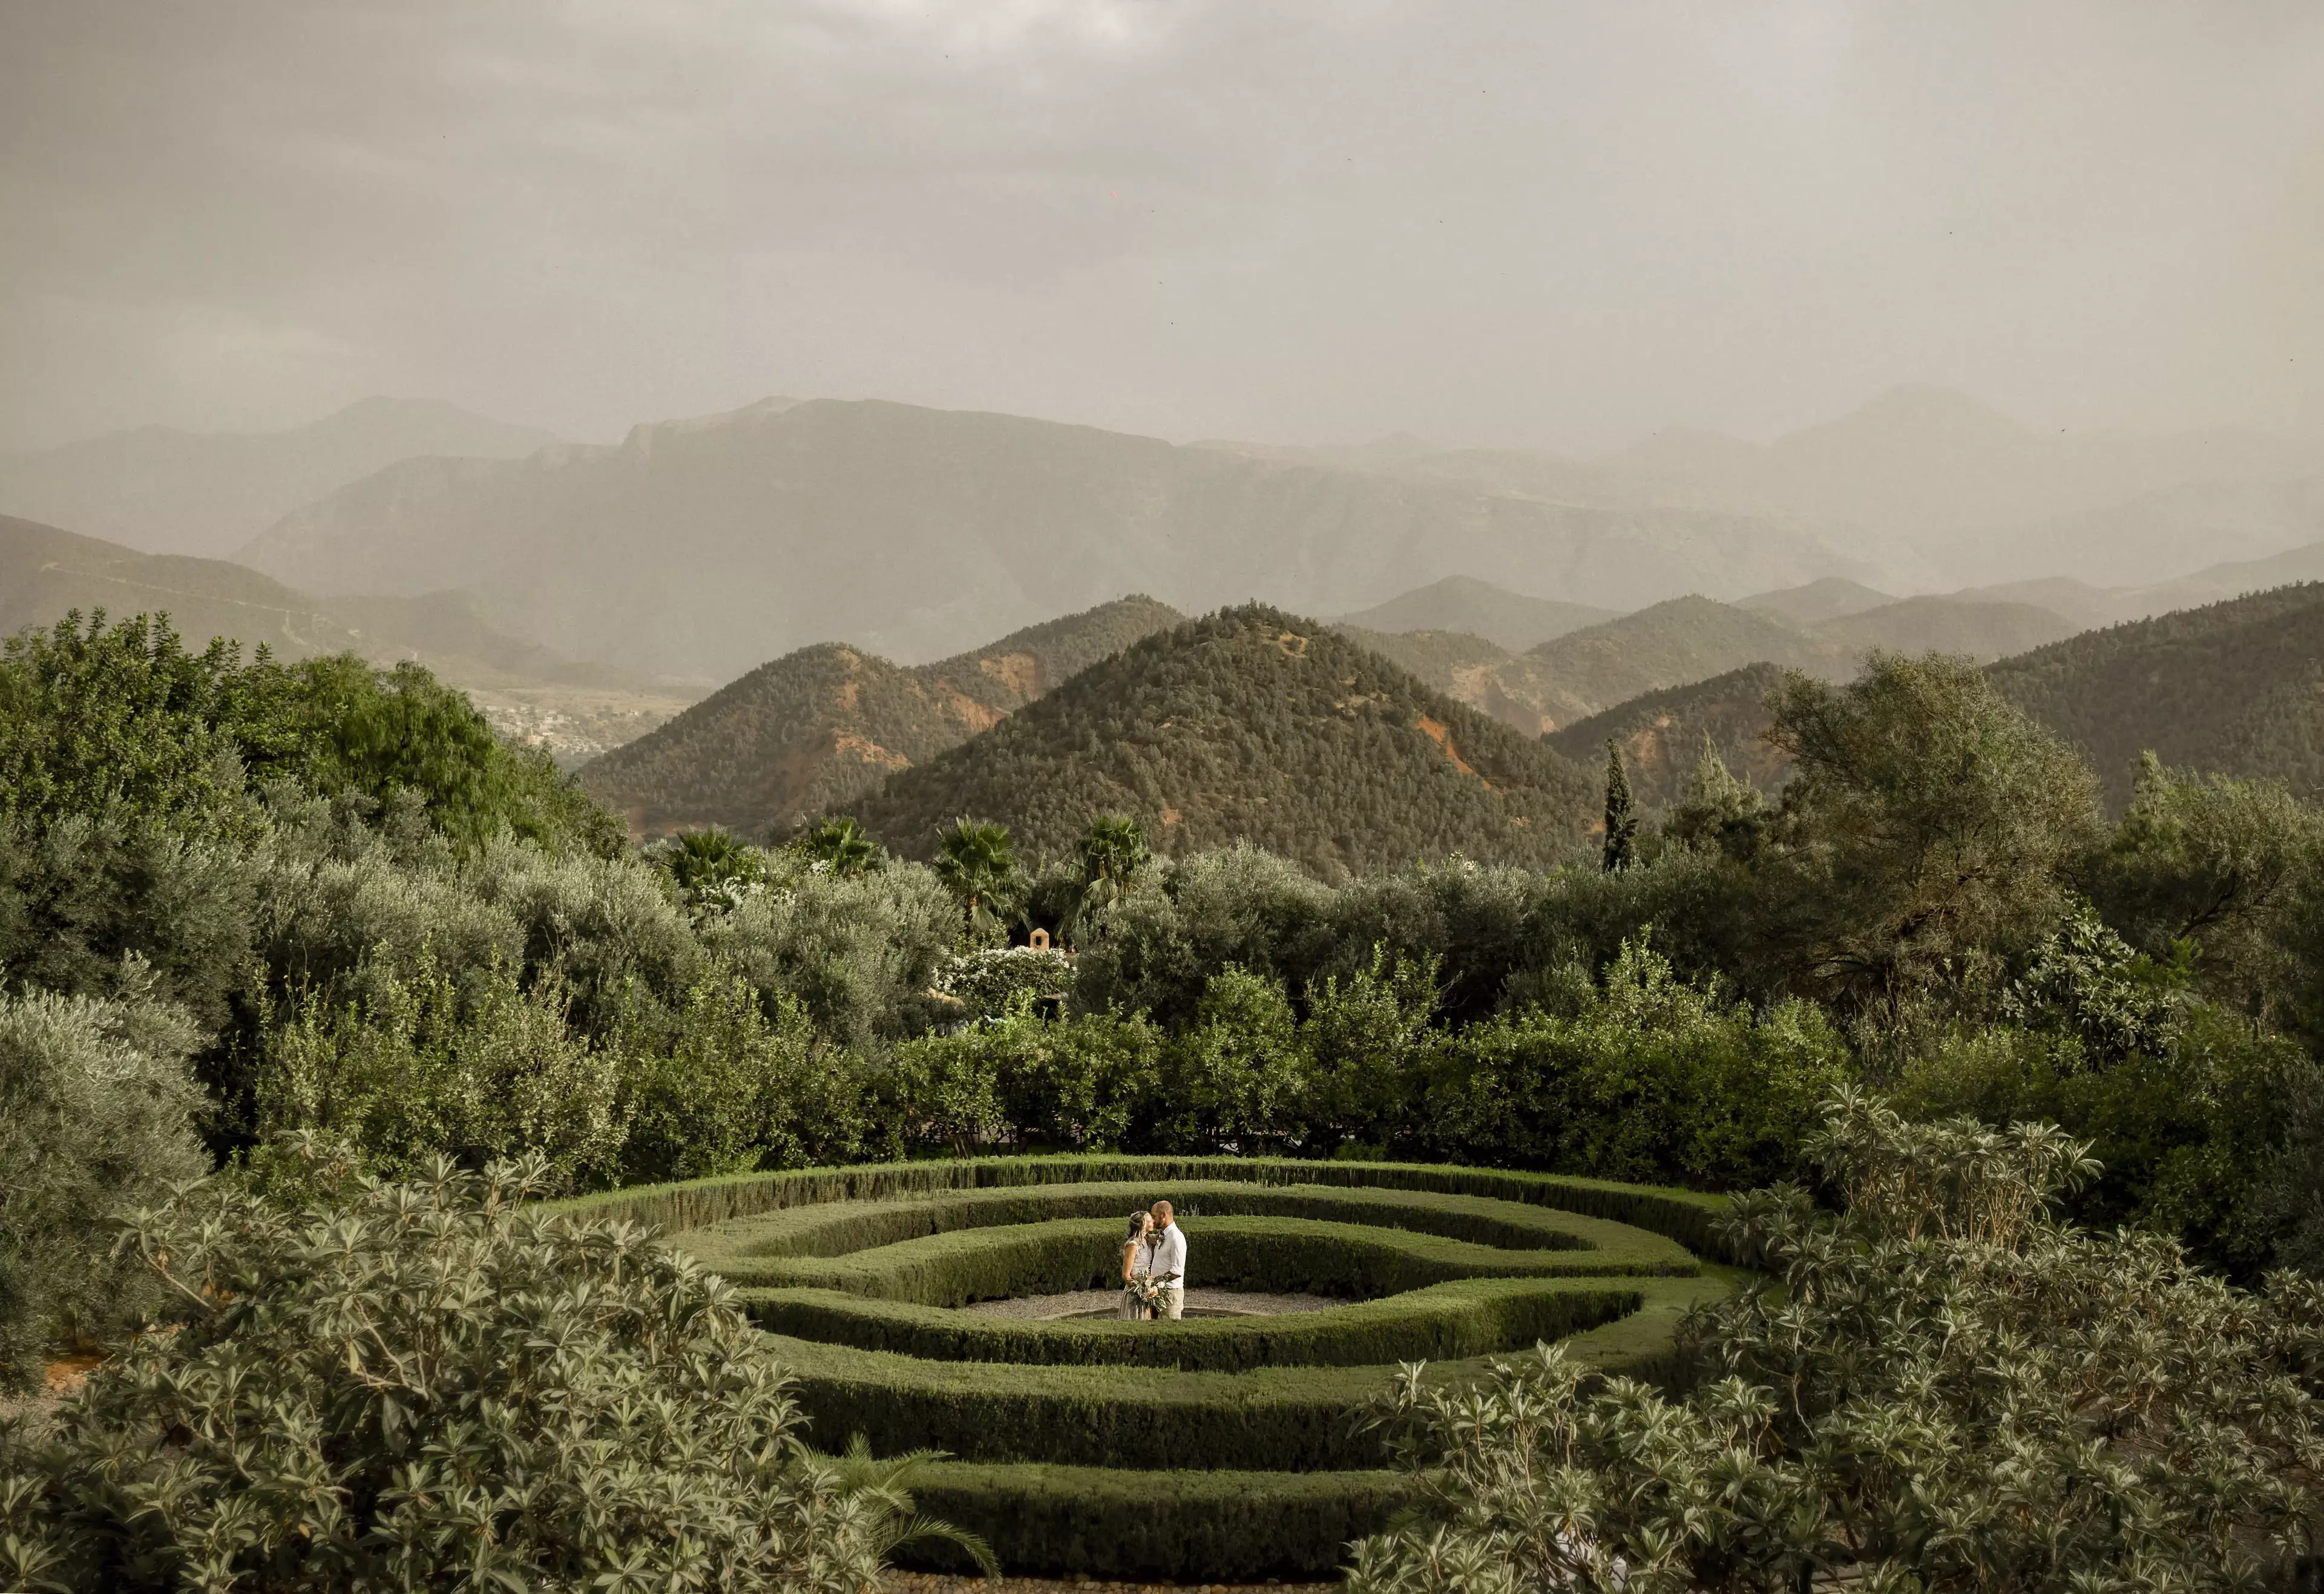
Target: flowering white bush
{"type": "Point", "coordinates": [988, 982]}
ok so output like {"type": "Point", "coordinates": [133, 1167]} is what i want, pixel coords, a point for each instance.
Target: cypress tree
{"type": "Point", "coordinates": [1621, 823]}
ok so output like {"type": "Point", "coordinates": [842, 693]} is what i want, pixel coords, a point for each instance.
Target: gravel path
{"type": "Point", "coordinates": [1198, 1303]}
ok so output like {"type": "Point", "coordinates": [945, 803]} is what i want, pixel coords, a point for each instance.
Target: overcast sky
{"type": "Point", "coordinates": [1537, 224]}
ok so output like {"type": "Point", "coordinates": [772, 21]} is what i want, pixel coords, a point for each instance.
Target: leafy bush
{"type": "Point", "coordinates": [1948, 1393]}
{"type": "Point", "coordinates": [990, 981]}
{"type": "Point", "coordinates": [2202, 1138]}
{"type": "Point", "coordinates": [421, 1069]}
{"type": "Point", "coordinates": [1234, 1081]}
{"type": "Point", "coordinates": [432, 1386]}
{"type": "Point", "coordinates": [727, 1088]}
{"type": "Point", "coordinates": [1647, 1079]}
{"type": "Point", "coordinates": [96, 1116]}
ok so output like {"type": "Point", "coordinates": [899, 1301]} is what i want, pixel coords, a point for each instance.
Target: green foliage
{"type": "Point", "coordinates": [96, 1117]}
{"type": "Point", "coordinates": [722, 1087]}
{"type": "Point", "coordinates": [1364, 1042]}
{"type": "Point", "coordinates": [96, 719]}
{"type": "Point", "coordinates": [1622, 825]}
{"type": "Point", "coordinates": [992, 980]}
{"type": "Point", "coordinates": [432, 1385]}
{"type": "Point", "coordinates": [1252, 726]}
{"type": "Point", "coordinates": [421, 1069]}
{"type": "Point", "coordinates": [1947, 1393]}
{"type": "Point", "coordinates": [1185, 1526]}
{"type": "Point", "coordinates": [87, 901]}
{"type": "Point", "coordinates": [2225, 867]}
{"type": "Point", "coordinates": [2201, 1138]}
{"type": "Point", "coordinates": [839, 844]}
{"type": "Point", "coordinates": [978, 865]}
{"type": "Point", "coordinates": [858, 951]}
{"type": "Point", "coordinates": [1647, 1077]}
{"type": "Point", "coordinates": [1716, 811]}
{"type": "Point", "coordinates": [710, 867]}
{"type": "Point", "coordinates": [1928, 834]}
{"type": "Point", "coordinates": [1234, 1081]}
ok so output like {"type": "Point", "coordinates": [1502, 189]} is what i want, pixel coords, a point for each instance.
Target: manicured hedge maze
{"type": "Point", "coordinates": [1207, 1450]}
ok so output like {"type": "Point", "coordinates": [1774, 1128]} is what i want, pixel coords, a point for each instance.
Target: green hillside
{"type": "Point", "coordinates": [1462, 603]}
{"type": "Point", "coordinates": [1983, 630]}
{"type": "Point", "coordinates": [2235, 687]}
{"type": "Point", "coordinates": [1689, 638]}
{"type": "Point", "coordinates": [818, 727]}
{"type": "Point", "coordinates": [1661, 733]}
{"type": "Point", "coordinates": [1254, 725]}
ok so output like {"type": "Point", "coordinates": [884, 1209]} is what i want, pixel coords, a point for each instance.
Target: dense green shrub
{"type": "Point", "coordinates": [1647, 1078]}
{"type": "Point", "coordinates": [1187, 1526]}
{"type": "Point", "coordinates": [722, 1088]}
{"type": "Point", "coordinates": [424, 1068]}
{"type": "Point", "coordinates": [432, 1386]}
{"type": "Point", "coordinates": [859, 951]}
{"type": "Point", "coordinates": [1234, 1080]}
{"type": "Point", "coordinates": [96, 1116]}
{"type": "Point", "coordinates": [2202, 1138]}
{"type": "Point", "coordinates": [1948, 1394]}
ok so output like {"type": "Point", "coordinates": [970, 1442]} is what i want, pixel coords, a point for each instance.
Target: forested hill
{"type": "Point", "coordinates": [2236, 687]}
{"type": "Point", "coordinates": [818, 727]}
{"type": "Point", "coordinates": [1661, 733]}
{"type": "Point", "coordinates": [1251, 724]}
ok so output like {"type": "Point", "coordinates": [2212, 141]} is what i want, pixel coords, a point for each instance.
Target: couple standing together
{"type": "Point", "coordinates": [1154, 1265]}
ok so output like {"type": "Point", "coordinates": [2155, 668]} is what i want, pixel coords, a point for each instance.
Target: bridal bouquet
{"type": "Point", "coordinates": [1147, 1292]}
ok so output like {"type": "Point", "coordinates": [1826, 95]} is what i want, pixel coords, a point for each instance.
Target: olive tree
{"type": "Point", "coordinates": [433, 1385]}
{"type": "Point", "coordinates": [1941, 1390]}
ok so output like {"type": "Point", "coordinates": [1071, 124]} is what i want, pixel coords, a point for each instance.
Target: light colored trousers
{"type": "Point", "coordinates": [1174, 1303]}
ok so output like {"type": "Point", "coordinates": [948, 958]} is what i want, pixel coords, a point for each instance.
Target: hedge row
{"type": "Point", "coordinates": [1186, 1526]}
{"type": "Point", "coordinates": [1276, 1254]}
{"type": "Point", "coordinates": [846, 1227]}
{"type": "Point", "coordinates": [1681, 1215]}
{"type": "Point", "coordinates": [1291, 1419]}
{"type": "Point", "coordinates": [1444, 1323]}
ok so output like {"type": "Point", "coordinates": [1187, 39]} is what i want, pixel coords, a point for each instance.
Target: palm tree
{"type": "Point", "coordinates": [1113, 849]}
{"type": "Point", "coordinates": [841, 845]}
{"type": "Point", "coordinates": [978, 865]}
{"type": "Point", "coordinates": [707, 860]}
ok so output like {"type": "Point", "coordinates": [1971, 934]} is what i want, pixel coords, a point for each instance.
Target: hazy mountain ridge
{"type": "Point", "coordinates": [576, 710]}
{"type": "Point", "coordinates": [1252, 724]}
{"type": "Point", "coordinates": [819, 726]}
{"type": "Point", "coordinates": [979, 523]}
{"type": "Point", "coordinates": [1476, 608]}
{"type": "Point", "coordinates": [162, 490]}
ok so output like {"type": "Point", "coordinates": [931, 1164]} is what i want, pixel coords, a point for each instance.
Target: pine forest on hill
{"type": "Point", "coordinates": [816, 728]}
{"type": "Point", "coordinates": [1253, 725]}
{"type": "Point", "coordinates": [2235, 687]}
{"type": "Point", "coordinates": [1662, 734]}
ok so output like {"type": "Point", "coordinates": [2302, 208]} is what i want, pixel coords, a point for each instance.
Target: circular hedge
{"type": "Point", "coordinates": [1211, 1448]}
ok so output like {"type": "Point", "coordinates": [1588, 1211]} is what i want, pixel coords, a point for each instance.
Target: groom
{"type": "Point", "coordinates": [1166, 1265]}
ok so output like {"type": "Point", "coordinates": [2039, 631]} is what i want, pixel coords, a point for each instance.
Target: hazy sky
{"type": "Point", "coordinates": [1536, 223]}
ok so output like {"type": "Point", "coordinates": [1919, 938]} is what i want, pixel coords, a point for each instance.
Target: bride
{"type": "Point", "coordinates": [1133, 1263]}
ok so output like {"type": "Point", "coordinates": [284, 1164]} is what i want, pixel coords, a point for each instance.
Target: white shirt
{"type": "Point", "coordinates": [1166, 1252]}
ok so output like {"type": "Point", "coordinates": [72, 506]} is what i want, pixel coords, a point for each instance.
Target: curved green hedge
{"type": "Point", "coordinates": [1202, 1450]}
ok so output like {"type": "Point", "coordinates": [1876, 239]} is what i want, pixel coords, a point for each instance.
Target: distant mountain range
{"type": "Point", "coordinates": [576, 709]}
{"type": "Point", "coordinates": [694, 551]}
{"type": "Point", "coordinates": [818, 727]}
{"type": "Point", "coordinates": [1584, 672]}
{"type": "Point", "coordinates": [1252, 724]}
{"type": "Point", "coordinates": [161, 490]}
{"type": "Point", "coordinates": [1477, 608]}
